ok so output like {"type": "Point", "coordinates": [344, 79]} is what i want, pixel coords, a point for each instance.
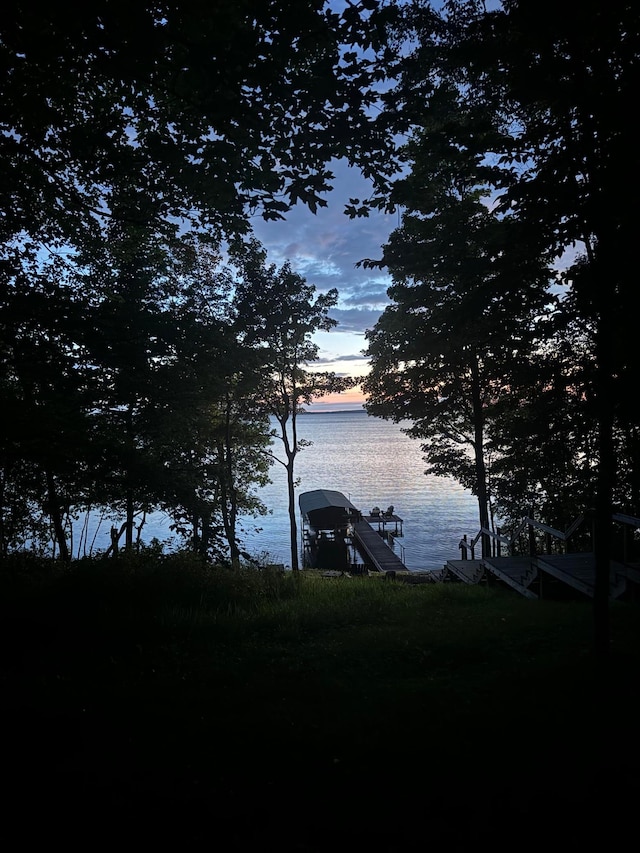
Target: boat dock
{"type": "Point", "coordinates": [386, 523]}
{"type": "Point", "coordinates": [335, 533]}
{"type": "Point", "coordinates": [375, 549]}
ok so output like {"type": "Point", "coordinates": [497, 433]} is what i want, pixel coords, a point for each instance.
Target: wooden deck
{"type": "Point", "coordinates": [579, 572]}
{"type": "Point", "coordinates": [375, 549]}
{"type": "Point", "coordinates": [385, 524]}
{"type": "Point", "coordinates": [467, 571]}
{"type": "Point", "coordinates": [526, 575]}
{"type": "Point", "coordinates": [517, 572]}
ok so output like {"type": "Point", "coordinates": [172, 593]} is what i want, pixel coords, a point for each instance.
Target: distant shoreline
{"type": "Point", "coordinates": [336, 412]}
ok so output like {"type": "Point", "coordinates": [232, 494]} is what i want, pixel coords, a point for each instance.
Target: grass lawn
{"type": "Point", "coordinates": [159, 702]}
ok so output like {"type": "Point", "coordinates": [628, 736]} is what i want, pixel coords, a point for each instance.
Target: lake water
{"type": "Point", "coordinates": [373, 463]}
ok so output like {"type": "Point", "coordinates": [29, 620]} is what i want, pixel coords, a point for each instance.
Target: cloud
{"type": "Point", "coordinates": [348, 358]}
{"type": "Point", "coordinates": [325, 249]}
{"type": "Point", "coordinates": [372, 294]}
{"type": "Point", "coordinates": [337, 359]}
{"type": "Point", "coordinates": [355, 320]}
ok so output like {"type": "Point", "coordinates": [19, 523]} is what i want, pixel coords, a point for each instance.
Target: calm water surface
{"type": "Point", "coordinates": [373, 463]}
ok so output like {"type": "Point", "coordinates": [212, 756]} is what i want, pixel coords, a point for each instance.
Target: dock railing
{"type": "Point", "coordinates": [531, 524]}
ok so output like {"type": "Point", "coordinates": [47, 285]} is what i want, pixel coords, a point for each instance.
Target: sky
{"type": "Point", "coordinates": [325, 248]}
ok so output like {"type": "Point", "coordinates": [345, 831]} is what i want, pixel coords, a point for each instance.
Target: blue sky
{"type": "Point", "coordinates": [325, 248]}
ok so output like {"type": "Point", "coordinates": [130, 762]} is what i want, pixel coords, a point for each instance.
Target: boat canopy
{"type": "Point", "coordinates": [326, 510]}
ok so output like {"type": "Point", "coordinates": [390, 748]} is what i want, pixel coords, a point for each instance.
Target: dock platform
{"type": "Point", "coordinates": [375, 549]}
{"type": "Point", "coordinates": [386, 524]}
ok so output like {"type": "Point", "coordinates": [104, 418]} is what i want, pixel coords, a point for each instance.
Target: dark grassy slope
{"type": "Point", "coordinates": [158, 703]}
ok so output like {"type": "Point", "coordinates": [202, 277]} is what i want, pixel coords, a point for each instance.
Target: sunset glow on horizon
{"type": "Point", "coordinates": [351, 399]}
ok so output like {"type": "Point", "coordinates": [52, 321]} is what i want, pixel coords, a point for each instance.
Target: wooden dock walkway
{"type": "Point", "coordinates": [375, 549]}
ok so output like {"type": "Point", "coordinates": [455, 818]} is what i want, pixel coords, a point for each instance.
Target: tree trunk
{"type": "Point", "coordinates": [113, 548]}
{"type": "Point", "coordinates": [229, 509]}
{"type": "Point", "coordinates": [229, 496]}
{"type": "Point", "coordinates": [128, 541]}
{"type": "Point", "coordinates": [206, 531]}
{"type": "Point", "coordinates": [195, 528]}
{"type": "Point", "coordinates": [293, 527]}
{"type": "Point", "coordinates": [129, 522]}
{"type": "Point", "coordinates": [139, 531]}
{"type": "Point", "coordinates": [56, 517]}
{"type": "Point", "coordinates": [478, 441]}
{"type": "Point", "coordinates": [3, 540]}
{"type": "Point", "coordinates": [235, 553]}
{"type": "Point", "coordinates": [603, 523]}
{"type": "Point", "coordinates": [291, 449]}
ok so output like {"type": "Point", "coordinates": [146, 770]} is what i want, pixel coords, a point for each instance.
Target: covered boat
{"type": "Point", "coordinates": [326, 519]}
{"type": "Point", "coordinates": [324, 509]}
{"type": "Point", "coordinates": [336, 536]}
